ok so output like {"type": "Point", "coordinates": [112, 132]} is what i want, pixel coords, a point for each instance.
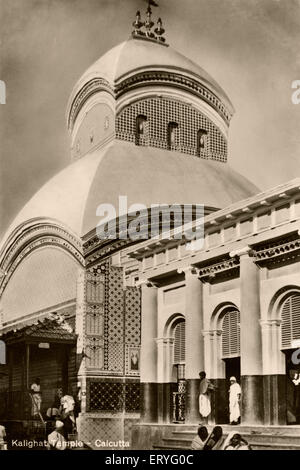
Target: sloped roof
{"type": "Point", "coordinates": [47, 330]}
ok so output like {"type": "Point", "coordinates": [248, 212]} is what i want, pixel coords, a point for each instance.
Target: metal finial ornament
{"type": "Point", "coordinates": [149, 23]}
{"type": "Point", "coordinates": [138, 24]}
{"type": "Point", "coordinates": [160, 31]}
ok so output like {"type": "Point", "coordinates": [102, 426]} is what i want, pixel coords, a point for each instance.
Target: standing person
{"type": "Point", "coordinates": [234, 401]}
{"type": "Point", "coordinates": [204, 399]}
{"type": "Point", "coordinates": [36, 397]}
{"type": "Point", "coordinates": [67, 415]}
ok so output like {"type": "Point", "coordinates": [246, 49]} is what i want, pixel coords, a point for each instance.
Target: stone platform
{"type": "Point", "coordinates": [179, 436]}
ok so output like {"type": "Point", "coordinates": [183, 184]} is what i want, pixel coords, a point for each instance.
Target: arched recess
{"type": "Point", "coordinates": [171, 354]}
{"type": "Point", "coordinates": [33, 235]}
{"type": "Point", "coordinates": [281, 340]}
{"type": "Point", "coordinates": [281, 328]}
{"type": "Point", "coordinates": [222, 341]}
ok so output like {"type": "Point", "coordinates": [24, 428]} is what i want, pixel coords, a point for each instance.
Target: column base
{"type": "Point", "coordinates": [192, 401]}
{"type": "Point", "coordinates": [149, 402]}
{"type": "Point", "coordinates": [252, 409]}
{"type": "Point", "coordinates": [220, 402]}
{"type": "Point", "coordinates": [275, 399]}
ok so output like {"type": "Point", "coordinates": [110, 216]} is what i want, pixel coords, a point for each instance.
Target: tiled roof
{"type": "Point", "coordinates": [47, 329]}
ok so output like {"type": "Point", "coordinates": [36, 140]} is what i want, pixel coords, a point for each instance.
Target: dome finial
{"type": "Point", "coordinates": [159, 31]}
{"type": "Point", "coordinates": [138, 24]}
{"type": "Point", "coordinates": [148, 33]}
{"type": "Point", "coordinates": [149, 23]}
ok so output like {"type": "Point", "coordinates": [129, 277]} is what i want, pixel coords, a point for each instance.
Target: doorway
{"type": "Point", "coordinates": [232, 369]}
{"type": "Point", "coordinates": [292, 388]}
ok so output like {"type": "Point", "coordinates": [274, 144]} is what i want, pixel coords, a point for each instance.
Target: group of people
{"type": "Point", "coordinates": [60, 417]}
{"type": "Point", "coordinates": [206, 387]}
{"type": "Point", "coordinates": [216, 440]}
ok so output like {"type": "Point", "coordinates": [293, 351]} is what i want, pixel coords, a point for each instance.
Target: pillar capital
{"type": "Point", "coordinates": [145, 283]}
{"type": "Point", "coordinates": [189, 270]}
{"type": "Point", "coordinates": [242, 252]}
{"type": "Point", "coordinates": [164, 340]}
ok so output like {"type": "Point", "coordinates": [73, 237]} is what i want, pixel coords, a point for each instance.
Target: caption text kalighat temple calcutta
{"type": "Point", "coordinates": [127, 325]}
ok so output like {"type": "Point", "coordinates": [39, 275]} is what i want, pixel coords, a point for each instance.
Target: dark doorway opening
{"type": "Point", "coordinates": [292, 386]}
{"type": "Point", "coordinates": [232, 369]}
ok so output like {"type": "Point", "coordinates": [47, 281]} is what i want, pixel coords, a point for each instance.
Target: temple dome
{"type": "Point", "coordinates": [137, 55]}
{"type": "Point", "coordinates": [73, 195]}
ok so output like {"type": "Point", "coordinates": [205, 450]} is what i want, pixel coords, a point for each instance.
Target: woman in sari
{"type": "Point", "coordinates": [215, 439]}
{"type": "Point", "coordinates": [199, 441]}
{"type": "Point", "coordinates": [235, 441]}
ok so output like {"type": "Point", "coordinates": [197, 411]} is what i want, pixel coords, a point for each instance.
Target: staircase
{"type": "Point", "coordinates": [259, 437]}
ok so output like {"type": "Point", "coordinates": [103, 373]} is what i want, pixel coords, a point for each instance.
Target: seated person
{"type": "Point", "coordinates": [215, 439]}
{"type": "Point", "coordinates": [199, 441]}
{"type": "Point", "coordinates": [235, 441]}
{"type": "Point", "coordinates": [56, 440]}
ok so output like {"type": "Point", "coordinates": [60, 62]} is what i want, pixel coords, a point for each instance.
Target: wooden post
{"type": "Point", "coordinates": [26, 387]}
{"type": "Point", "coordinates": [27, 367]}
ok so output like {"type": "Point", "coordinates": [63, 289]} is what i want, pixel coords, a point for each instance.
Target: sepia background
{"type": "Point", "coordinates": [251, 48]}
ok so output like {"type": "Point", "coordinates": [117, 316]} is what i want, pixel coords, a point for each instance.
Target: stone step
{"type": "Point", "coordinates": [255, 446]}
{"type": "Point", "coordinates": [259, 437]}
{"type": "Point", "coordinates": [264, 437]}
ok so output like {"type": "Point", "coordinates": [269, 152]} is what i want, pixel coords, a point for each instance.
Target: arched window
{"type": "Point", "coordinates": [179, 351]}
{"type": "Point", "coordinates": [141, 121]}
{"type": "Point", "coordinates": [179, 343]}
{"type": "Point", "coordinates": [231, 334]}
{"type": "Point", "coordinates": [201, 141]}
{"type": "Point", "coordinates": [290, 316]}
{"type": "Point", "coordinates": [172, 135]}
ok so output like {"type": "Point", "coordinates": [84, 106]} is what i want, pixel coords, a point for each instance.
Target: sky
{"type": "Point", "coordinates": [250, 47]}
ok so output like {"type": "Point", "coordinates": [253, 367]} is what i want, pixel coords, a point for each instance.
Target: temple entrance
{"type": "Point", "coordinates": [230, 354]}
{"type": "Point", "coordinates": [233, 368]}
{"type": "Point", "coordinates": [292, 387]}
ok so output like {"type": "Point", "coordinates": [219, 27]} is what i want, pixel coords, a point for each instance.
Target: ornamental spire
{"type": "Point", "coordinates": [147, 32]}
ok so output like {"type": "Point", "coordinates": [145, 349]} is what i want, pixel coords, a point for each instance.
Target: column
{"type": "Point", "coordinates": [252, 411]}
{"type": "Point", "coordinates": [148, 363]}
{"type": "Point", "coordinates": [194, 360]}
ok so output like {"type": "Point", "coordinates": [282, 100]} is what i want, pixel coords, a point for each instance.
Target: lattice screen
{"type": "Point", "coordinates": [231, 334]}
{"type": "Point", "coordinates": [179, 343]}
{"type": "Point", "coordinates": [114, 396]}
{"type": "Point", "coordinates": [160, 112]}
{"type": "Point", "coordinates": [95, 301]}
{"type": "Point", "coordinates": [290, 315]}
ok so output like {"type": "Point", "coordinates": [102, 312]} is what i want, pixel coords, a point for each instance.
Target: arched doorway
{"type": "Point", "coordinates": [290, 343]}
{"type": "Point", "coordinates": [231, 350]}
{"type": "Point", "coordinates": [179, 371]}
{"type": "Point", "coordinates": [231, 343]}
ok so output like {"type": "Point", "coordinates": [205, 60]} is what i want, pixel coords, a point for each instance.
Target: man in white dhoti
{"type": "Point", "coordinates": [234, 401]}
{"type": "Point", "coordinates": [204, 399]}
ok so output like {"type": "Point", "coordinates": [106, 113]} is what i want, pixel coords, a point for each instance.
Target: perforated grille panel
{"type": "Point", "coordinates": [231, 334]}
{"type": "Point", "coordinates": [290, 315]}
{"type": "Point", "coordinates": [112, 396]}
{"type": "Point", "coordinates": [179, 343]}
{"type": "Point", "coordinates": [160, 112]}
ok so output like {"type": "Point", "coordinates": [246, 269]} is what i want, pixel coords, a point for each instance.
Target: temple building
{"type": "Point", "coordinates": [125, 325]}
